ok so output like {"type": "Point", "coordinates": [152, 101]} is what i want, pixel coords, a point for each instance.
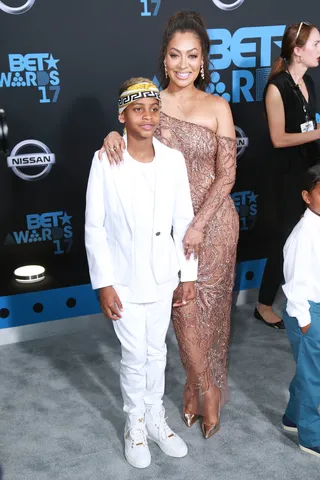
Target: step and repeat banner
{"type": "Point", "coordinates": [61, 64]}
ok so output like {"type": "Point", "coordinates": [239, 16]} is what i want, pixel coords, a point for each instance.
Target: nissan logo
{"type": "Point", "coordinates": [17, 10]}
{"type": "Point", "coordinates": [44, 160]}
{"type": "Point", "coordinates": [228, 6]}
{"type": "Point", "coordinates": [242, 141]}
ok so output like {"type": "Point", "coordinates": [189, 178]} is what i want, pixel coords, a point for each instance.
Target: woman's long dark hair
{"type": "Point", "coordinates": [186, 22]}
{"type": "Point", "coordinates": [290, 40]}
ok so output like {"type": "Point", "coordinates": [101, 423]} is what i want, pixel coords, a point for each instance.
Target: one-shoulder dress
{"type": "Point", "coordinates": [203, 327]}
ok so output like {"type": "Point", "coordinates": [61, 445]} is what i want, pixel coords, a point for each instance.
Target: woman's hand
{"type": "Point", "coordinates": [188, 293]}
{"type": "Point", "coordinates": [192, 241]}
{"type": "Point", "coordinates": [113, 145]}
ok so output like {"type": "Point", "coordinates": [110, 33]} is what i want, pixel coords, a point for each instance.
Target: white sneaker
{"type": "Point", "coordinates": [159, 431]}
{"type": "Point", "coordinates": [136, 448]}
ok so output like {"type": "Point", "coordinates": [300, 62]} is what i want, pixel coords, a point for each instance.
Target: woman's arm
{"type": "Point", "coordinates": [182, 217]}
{"type": "Point", "coordinates": [113, 145]}
{"type": "Point", "coordinates": [276, 122]}
{"type": "Point", "coordinates": [225, 166]}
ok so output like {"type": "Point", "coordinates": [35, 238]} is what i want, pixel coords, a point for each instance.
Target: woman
{"type": "Point", "coordinates": [201, 127]}
{"type": "Point", "coordinates": [290, 102]}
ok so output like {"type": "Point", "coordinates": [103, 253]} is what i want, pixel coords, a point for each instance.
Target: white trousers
{"type": "Point", "coordinates": [142, 331]}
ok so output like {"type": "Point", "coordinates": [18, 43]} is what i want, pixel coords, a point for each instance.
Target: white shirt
{"type": "Point", "coordinates": [143, 287]}
{"type": "Point", "coordinates": [302, 267]}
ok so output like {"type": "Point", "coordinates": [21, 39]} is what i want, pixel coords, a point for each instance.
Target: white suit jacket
{"type": "Point", "coordinates": [109, 236]}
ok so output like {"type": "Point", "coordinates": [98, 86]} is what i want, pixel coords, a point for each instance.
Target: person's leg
{"type": "Point", "coordinates": [294, 336]}
{"type": "Point", "coordinates": [202, 330]}
{"type": "Point", "coordinates": [158, 319]}
{"type": "Point", "coordinates": [272, 275]}
{"type": "Point", "coordinates": [308, 372]}
{"type": "Point", "coordinates": [158, 316]}
{"type": "Point", "coordinates": [131, 331]}
{"type": "Point", "coordinates": [191, 333]}
{"type": "Point", "coordinates": [271, 281]}
{"type": "Point", "coordinates": [288, 211]}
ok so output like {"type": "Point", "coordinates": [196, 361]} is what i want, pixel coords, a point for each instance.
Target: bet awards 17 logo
{"type": "Point", "coordinates": [54, 227]}
{"type": "Point", "coordinates": [242, 61]}
{"type": "Point", "coordinates": [38, 70]}
{"type": "Point", "coordinates": [246, 205]}
{"type": "Point", "coordinates": [228, 6]}
{"type": "Point", "coordinates": [17, 10]}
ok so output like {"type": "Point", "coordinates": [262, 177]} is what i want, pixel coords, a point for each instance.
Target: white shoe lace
{"type": "Point", "coordinates": [165, 430]}
{"type": "Point", "coordinates": [138, 437]}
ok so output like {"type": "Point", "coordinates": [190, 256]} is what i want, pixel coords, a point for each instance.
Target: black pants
{"type": "Point", "coordinates": [272, 275]}
{"type": "Point", "coordinates": [288, 208]}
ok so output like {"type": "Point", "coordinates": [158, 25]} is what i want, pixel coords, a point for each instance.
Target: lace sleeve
{"type": "Point", "coordinates": [163, 134]}
{"type": "Point", "coordinates": [222, 184]}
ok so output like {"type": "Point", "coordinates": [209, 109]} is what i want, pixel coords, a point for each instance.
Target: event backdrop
{"type": "Point", "coordinates": [61, 64]}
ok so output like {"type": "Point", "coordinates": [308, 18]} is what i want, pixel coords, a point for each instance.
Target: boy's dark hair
{"type": "Point", "coordinates": [311, 178]}
{"type": "Point", "coordinates": [133, 81]}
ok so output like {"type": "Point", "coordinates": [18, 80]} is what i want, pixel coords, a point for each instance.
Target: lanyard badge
{"type": "Point", "coordinates": [309, 123]}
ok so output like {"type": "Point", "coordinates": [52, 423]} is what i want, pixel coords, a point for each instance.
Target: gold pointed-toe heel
{"type": "Point", "coordinates": [209, 430]}
{"type": "Point", "coordinates": [190, 418]}
{"type": "Point", "coordinates": [190, 403]}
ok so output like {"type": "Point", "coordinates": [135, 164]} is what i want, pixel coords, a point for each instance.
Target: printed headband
{"type": "Point", "coordinates": [137, 91]}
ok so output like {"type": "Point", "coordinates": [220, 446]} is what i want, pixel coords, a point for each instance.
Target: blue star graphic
{"type": "Point", "coordinates": [252, 197]}
{"type": "Point", "coordinates": [66, 219]}
{"type": "Point", "coordinates": [52, 63]}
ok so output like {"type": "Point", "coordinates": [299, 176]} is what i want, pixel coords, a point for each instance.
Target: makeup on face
{"type": "Point", "coordinates": [183, 59]}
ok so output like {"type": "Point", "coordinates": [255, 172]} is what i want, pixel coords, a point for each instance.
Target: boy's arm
{"type": "Point", "coordinates": [96, 238]}
{"type": "Point", "coordinates": [297, 262]}
{"type": "Point", "coordinates": [182, 217]}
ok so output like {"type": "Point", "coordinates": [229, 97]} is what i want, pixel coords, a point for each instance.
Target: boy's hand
{"type": "Point", "coordinates": [188, 294]}
{"type": "Point", "coordinates": [110, 303]}
{"type": "Point", "coordinates": [305, 328]}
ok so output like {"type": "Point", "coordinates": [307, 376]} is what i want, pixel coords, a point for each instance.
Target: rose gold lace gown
{"type": "Point", "coordinates": [202, 328]}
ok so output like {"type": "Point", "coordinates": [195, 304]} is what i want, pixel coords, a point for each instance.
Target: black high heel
{"type": "Point", "coordinates": [278, 325]}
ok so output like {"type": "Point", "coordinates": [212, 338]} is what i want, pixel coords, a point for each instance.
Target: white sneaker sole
{"type": "Point", "coordinates": [290, 429]}
{"type": "Point", "coordinates": [307, 450]}
{"type": "Point", "coordinates": [136, 465]}
{"type": "Point", "coordinates": [168, 452]}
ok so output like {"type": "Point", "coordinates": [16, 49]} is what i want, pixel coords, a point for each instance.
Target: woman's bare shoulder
{"type": "Point", "coordinates": [217, 108]}
{"type": "Point", "coordinates": [213, 101]}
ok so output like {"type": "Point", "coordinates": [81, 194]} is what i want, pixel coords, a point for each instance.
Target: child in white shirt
{"type": "Point", "coordinates": [134, 262]}
{"type": "Point", "coordinates": [302, 317]}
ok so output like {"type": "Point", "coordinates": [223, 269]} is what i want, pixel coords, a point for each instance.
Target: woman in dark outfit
{"type": "Point", "coordinates": [290, 102]}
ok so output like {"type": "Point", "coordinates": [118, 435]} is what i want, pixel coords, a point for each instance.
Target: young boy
{"type": "Point", "coordinates": [302, 318]}
{"type": "Point", "coordinates": [134, 261]}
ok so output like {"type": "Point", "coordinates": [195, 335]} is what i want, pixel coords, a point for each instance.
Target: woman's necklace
{"type": "Point", "coordinates": [297, 82]}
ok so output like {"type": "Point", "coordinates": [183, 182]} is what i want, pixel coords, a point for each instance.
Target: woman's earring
{"type": "Point", "coordinates": [202, 71]}
{"type": "Point", "coordinates": [165, 70]}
